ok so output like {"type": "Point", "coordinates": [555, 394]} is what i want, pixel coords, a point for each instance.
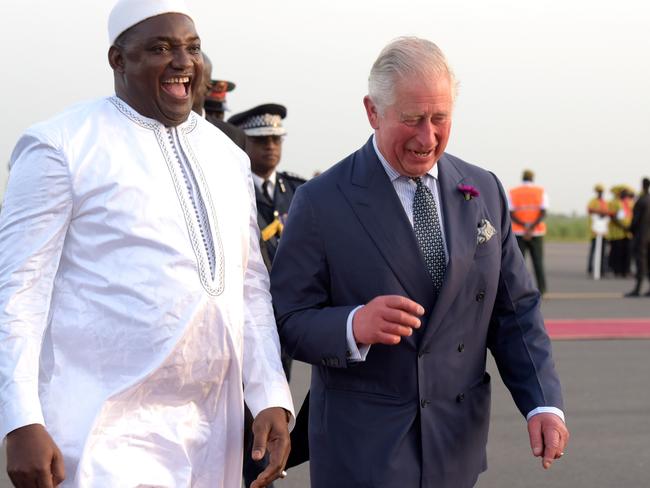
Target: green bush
{"type": "Point", "coordinates": [567, 227]}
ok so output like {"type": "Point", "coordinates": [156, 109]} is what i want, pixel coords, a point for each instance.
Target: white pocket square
{"type": "Point", "coordinates": [485, 231]}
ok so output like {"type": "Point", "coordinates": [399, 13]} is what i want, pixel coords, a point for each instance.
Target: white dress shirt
{"type": "Point", "coordinates": [259, 183]}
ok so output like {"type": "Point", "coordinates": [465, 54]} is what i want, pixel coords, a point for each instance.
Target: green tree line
{"type": "Point", "coordinates": [567, 227]}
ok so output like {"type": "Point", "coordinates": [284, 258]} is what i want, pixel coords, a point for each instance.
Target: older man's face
{"type": "Point", "coordinates": [413, 132]}
{"type": "Point", "coordinates": [160, 68]}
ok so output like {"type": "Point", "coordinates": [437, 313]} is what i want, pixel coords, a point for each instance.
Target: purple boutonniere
{"type": "Point", "coordinates": [468, 191]}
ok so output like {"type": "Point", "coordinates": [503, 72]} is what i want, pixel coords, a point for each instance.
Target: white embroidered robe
{"type": "Point", "coordinates": [105, 279]}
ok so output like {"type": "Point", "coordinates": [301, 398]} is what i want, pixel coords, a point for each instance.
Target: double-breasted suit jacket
{"type": "Point", "coordinates": [415, 414]}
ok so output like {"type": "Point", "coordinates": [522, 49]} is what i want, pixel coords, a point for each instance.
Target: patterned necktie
{"type": "Point", "coordinates": [265, 190]}
{"type": "Point", "coordinates": [426, 225]}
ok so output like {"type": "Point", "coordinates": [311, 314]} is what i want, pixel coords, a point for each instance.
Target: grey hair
{"type": "Point", "coordinates": [403, 58]}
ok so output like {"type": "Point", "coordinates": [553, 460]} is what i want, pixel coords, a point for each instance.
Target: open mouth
{"type": "Point", "coordinates": [421, 154]}
{"type": "Point", "coordinates": [177, 87]}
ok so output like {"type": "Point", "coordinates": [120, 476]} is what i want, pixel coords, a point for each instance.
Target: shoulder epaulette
{"type": "Point", "coordinates": [292, 176]}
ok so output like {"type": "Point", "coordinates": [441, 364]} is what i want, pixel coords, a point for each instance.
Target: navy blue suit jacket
{"type": "Point", "coordinates": [415, 414]}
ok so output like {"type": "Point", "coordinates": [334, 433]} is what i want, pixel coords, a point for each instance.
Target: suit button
{"type": "Point", "coordinates": [461, 347]}
{"type": "Point", "coordinates": [424, 403]}
{"type": "Point", "coordinates": [460, 398]}
{"type": "Point", "coordinates": [323, 362]}
{"type": "Point", "coordinates": [480, 296]}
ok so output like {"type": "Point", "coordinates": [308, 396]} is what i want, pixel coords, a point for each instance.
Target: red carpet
{"type": "Point", "coordinates": [571, 329]}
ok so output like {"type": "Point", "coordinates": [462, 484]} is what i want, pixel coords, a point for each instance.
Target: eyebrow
{"type": "Point", "coordinates": [411, 115]}
{"type": "Point", "coordinates": [171, 40]}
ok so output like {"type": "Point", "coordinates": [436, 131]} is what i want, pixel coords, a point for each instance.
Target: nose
{"type": "Point", "coordinates": [182, 59]}
{"type": "Point", "coordinates": [427, 134]}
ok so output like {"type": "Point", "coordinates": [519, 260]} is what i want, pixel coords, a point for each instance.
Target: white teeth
{"type": "Point", "coordinates": [178, 79]}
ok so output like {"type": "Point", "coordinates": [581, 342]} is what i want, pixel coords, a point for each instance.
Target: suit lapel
{"type": "Point", "coordinates": [460, 223]}
{"type": "Point", "coordinates": [373, 198]}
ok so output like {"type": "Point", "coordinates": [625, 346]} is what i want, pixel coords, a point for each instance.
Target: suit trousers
{"type": "Point", "coordinates": [536, 247]}
{"type": "Point", "coordinates": [642, 261]}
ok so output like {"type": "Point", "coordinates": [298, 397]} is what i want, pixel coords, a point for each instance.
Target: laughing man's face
{"type": "Point", "coordinates": [413, 132]}
{"type": "Point", "coordinates": [159, 67]}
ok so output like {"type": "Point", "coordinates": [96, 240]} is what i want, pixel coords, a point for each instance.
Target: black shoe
{"type": "Point", "coordinates": [633, 293]}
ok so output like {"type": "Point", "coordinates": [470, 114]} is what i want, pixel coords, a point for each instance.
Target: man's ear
{"type": "Point", "coordinates": [371, 112]}
{"type": "Point", "coordinates": [116, 59]}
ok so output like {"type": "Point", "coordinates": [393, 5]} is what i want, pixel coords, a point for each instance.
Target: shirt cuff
{"type": "Point", "coordinates": [552, 410]}
{"type": "Point", "coordinates": [355, 353]}
{"type": "Point", "coordinates": [19, 407]}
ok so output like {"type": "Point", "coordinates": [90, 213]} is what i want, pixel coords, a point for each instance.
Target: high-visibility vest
{"type": "Point", "coordinates": [598, 205]}
{"type": "Point", "coordinates": [526, 203]}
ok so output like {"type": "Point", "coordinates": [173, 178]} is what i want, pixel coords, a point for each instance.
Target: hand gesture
{"type": "Point", "coordinates": [271, 433]}
{"type": "Point", "coordinates": [548, 437]}
{"type": "Point", "coordinates": [386, 319]}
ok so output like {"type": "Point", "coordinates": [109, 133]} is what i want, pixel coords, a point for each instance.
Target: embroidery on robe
{"type": "Point", "coordinates": [213, 285]}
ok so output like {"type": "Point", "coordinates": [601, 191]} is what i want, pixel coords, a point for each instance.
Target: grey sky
{"type": "Point", "coordinates": [560, 86]}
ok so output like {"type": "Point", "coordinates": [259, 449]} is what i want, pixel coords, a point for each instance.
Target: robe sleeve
{"type": "Point", "coordinates": [33, 224]}
{"type": "Point", "coordinates": [265, 384]}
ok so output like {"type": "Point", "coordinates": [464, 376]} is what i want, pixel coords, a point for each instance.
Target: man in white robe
{"type": "Point", "coordinates": [133, 299]}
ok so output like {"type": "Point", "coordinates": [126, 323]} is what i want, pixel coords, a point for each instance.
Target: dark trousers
{"type": "Point", "coordinates": [536, 247]}
{"type": "Point", "coordinates": [620, 257]}
{"type": "Point", "coordinates": [252, 469]}
{"type": "Point", "coordinates": [642, 261]}
{"type": "Point", "coordinates": [603, 257]}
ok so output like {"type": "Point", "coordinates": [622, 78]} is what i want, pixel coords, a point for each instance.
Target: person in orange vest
{"type": "Point", "coordinates": [598, 209]}
{"type": "Point", "coordinates": [528, 203]}
{"type": "Point", "coordinates": [619, 237]}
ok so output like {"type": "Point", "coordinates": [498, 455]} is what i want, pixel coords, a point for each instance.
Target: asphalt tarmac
{"type": "Point", "coordinates": [606, 387]}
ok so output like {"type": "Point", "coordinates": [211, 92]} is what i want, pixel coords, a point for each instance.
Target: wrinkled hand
{"type": "Point", "coordinates": [271, 433]}
{"type": "Point", "coordinates": [33, 459]}
{"type": "Point", "coordinates": [548, 437]}
{"type": "Point", "coordinates": [386, 319]}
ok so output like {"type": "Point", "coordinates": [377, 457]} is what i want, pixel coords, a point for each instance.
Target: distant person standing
{"type": "Point", "coordinates": [627, 197]}
{"type": "Point", "coordinates": [274, 191]}
{"type": "Point", "coordinates": [620, 211]}
{"type": "Point", "coordinates": [598, 211]}
{"type": "Point", "coordinates": [640, 228]}
{"type": "Point", "coordinates": [528, 204]}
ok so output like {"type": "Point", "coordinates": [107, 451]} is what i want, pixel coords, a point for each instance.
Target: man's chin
{"type": "Point", "coordinates": [172, 116]}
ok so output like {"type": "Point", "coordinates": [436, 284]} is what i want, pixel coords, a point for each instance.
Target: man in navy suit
{"type": "Point", "coordinates": [396, 273]}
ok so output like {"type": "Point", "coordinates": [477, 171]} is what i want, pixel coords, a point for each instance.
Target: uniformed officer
{"type": "Point", "coordinates": [273, 193]}
{"type": "Point", "coordinates": [273, 189]}
{"type": "Point", "coordinates": [215, 101]}
{"type": "Point", "coordinates": [213, 104]}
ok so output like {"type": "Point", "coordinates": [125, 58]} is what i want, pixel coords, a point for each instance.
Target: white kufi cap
{"type": "Point", "coordinates": [127, 13]}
